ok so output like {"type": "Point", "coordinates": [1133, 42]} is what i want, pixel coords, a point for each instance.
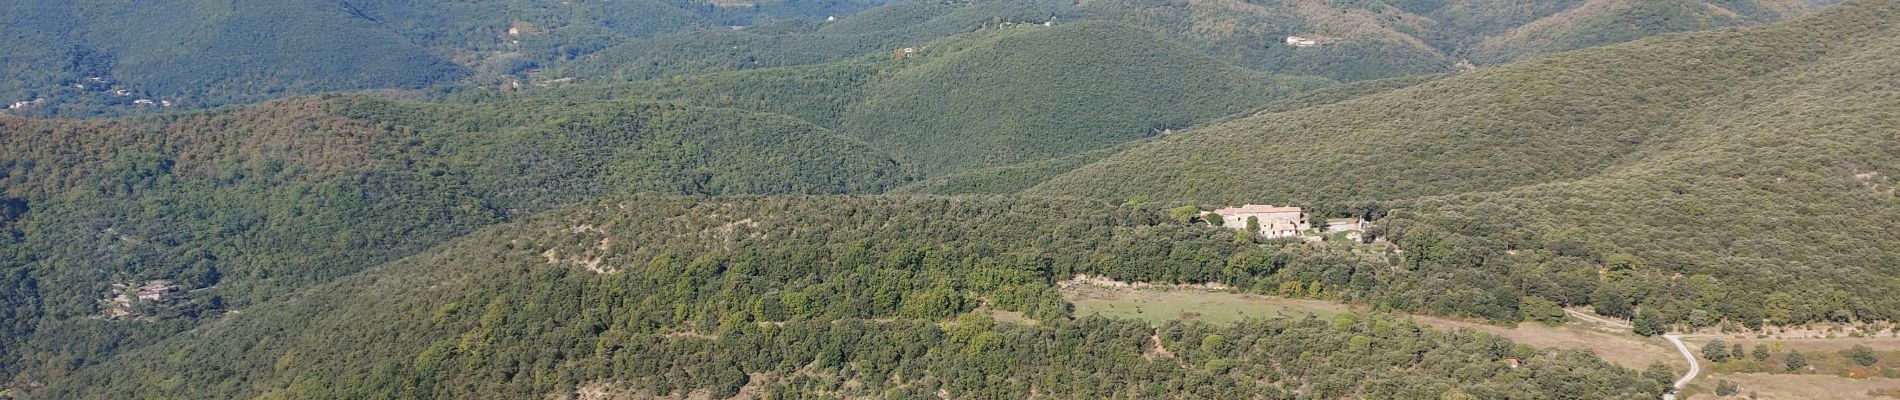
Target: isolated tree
{"type": "Point", "coordinates": [1761, 352]}
{"type": "Point", "coordinates": [1253, 224]}
{"type": "Point", "coordinates": [1646, 323]}
{"type": "Point", "coordinates": [1725, 388]}
{"type": "Point", "coordinates": [1861, 354]}
{"type": "Point", "coordinates": [1716, 350]}
{"type": "Point", "coordinates": [1184, 214]}
{"type": "Point", "coordinates": [1735, 351]}
{"type": "Point", "coordinates": [1796, 360]}
{"type": "Point", "coordinates": [1213, 219]}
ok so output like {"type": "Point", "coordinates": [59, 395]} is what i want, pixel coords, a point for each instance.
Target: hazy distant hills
{"type": "Point", "coordinates": [203, 54]}
{"type": "Point", "coordinates": [206, 53]}
{"type": "Point", "coordinates": [996, 96]}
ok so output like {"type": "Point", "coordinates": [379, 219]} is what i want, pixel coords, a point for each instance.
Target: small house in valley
{"type": "Point", "coordinates": [1275, 222]}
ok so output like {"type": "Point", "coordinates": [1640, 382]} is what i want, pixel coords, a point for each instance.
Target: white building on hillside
{"type": "Point", "coordinates": [1275, 222]}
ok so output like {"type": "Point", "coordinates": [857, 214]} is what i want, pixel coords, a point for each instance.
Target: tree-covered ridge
{"type": "Point", "coordinates": [1002, 179]}
{"type": "Point", "coordinates": [824, 297]}
{"type": "Point", "coordinates": [236, 207]}
{"type": "Point", "coordinates": [102, 58]}
{"type": "Point", "coordinates": [1035, 92]}
{"type": "Point", "coordinates": [877, 31]}
{"type": "Point", "coordinates": [999, 96]}
{"type": "Point", "coordinates": [1743, 174]}
{"type": "Point", "coordinates": [1357, 40]}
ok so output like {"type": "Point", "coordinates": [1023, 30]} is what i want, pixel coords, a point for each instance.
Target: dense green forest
{"type": "Point", "coordinates": [1738, 175]}
{"type": "Point", "coordinates": [679, 198]}
{"type": "Point", "coordinates": [235, 208]}
{"type": "Point", "coordinates": [998, 96]}
{"type": "Point", "coordinates": [1046, 92]}
{"type": "Point", "coordinates": [786, 297]}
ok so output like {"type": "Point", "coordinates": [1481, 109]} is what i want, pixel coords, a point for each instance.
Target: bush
{"type": "Point", "coordinates": [1716, 350]}
{"type": "Point", "coordinates": [1727, 388]}
{"type": "Point", "coordinates": [1796, 360]}
{"type": "Point", "coordinates": [1862, 355]}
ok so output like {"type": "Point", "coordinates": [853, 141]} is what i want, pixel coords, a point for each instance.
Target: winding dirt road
{"type": "Point", "coordinates": [1694, 368]}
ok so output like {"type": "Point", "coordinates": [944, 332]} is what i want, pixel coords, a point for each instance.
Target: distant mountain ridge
{"type": "Point", "coordinates": [132, 58]}
{"type": "Point", "coordinates": [199, 53]}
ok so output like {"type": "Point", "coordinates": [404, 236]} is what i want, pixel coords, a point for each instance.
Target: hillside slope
{"type": "Point", "coordinates": [812, 297]}
{"type": "Point", "coordinates": [878, 31]}
{"type": "Point", "coordinates": [221, 210]}
{"type": "Point", "coordinates": [1760, 158]}
{"type": "Point", "coordinates": [1357, 40]}
{"type": "Point", "coordinates": [1035, 93]}
{"type": "Point", "coordinates": [995, 96]}
{"type": "Point", "coordinates": [1600, 22]}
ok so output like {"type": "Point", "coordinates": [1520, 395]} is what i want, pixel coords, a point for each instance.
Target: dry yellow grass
{"type": "Point", "coordinates": [1158, 305]}
{"type": "Point", "coordinates": [1785, 386]}
{"type": "Point", "coordinates": [1624, 349]}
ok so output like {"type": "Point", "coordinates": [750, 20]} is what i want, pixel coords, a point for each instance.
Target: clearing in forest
{"type": "Point", "coordinates": [1158, 304]}
{"type": "Point", "coordinates": [1787, 386]}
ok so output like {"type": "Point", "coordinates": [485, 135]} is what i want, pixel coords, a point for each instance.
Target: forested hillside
{"type": "Point", "coordinates": [1741, 174]}
{"type": "Point", "coordinates": [855, 199]}
{"type": "Point", "coordinates": [997, 96]}
{"type": "Point", "coordinates": [1599, 22]}
{"type": "Point", "coordinates": [1035, 93]}
{"type": "Point", "coordinates": [1355, 40]}
{"type": "Point", "coordinates": [817, 296]}
{"type": "Point", "coordinates": [229, 209]}
{"type": "Point", "coordinates": [880, 31]}
{"type": "Point", "coordinates": [204, 200]}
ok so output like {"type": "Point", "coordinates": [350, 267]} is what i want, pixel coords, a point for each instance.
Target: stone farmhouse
{"type": "Point", "coordinates": [1275, 222]}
